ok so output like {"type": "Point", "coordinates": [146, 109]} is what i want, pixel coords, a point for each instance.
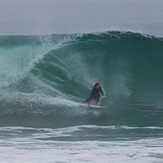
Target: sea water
{"type": "Point", "coordinates": [43, 78]}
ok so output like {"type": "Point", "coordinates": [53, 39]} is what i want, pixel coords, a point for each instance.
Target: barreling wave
{"type": "Point", "coordinates": [47, 75]}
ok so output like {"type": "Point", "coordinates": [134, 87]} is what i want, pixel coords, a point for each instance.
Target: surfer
{"type": "Point", "coordinates": [94, 95]}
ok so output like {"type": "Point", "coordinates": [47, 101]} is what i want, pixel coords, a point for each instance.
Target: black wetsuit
{"type": "Point", "coordinates": [95, 95]}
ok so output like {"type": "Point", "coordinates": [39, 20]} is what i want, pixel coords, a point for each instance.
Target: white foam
{"type": "Point", "coordinates": [26, 144]}
{"type": "Point", "coordinates": [86, 151]}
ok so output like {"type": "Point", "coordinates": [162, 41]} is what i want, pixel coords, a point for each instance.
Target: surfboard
{"type": "Point", "coordinates": [94, 106]}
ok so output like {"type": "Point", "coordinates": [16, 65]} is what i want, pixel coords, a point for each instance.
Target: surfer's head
{"type": "Point", "coordinates": [97, 86]}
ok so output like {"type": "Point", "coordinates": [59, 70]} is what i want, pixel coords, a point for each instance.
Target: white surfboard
{"type": "Point", "coordinates": [94, 106]}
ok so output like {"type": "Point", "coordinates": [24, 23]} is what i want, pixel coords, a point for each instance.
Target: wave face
{"type": "Point", "coordinates": [43, 77]}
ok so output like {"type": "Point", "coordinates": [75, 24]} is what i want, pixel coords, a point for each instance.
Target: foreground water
{"type": "Point", "coordinates": [87, 143]}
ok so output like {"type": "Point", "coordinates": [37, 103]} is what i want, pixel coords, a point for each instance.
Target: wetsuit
{"type": "Point", "coordinates": [95, 95]}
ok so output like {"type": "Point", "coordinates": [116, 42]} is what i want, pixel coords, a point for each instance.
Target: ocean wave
{"type": "Point", "coordinates": [56, 71]}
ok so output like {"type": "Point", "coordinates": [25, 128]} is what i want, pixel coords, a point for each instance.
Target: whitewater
{"type": "Point", "coordinates": [42, 79]}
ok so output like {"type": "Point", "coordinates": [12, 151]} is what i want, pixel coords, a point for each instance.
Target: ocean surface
{"type": "Point", "coordinates": [42, 79]}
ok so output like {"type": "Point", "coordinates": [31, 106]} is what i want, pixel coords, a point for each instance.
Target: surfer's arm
{"type": "Point", "coordinates": [102, 92]}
